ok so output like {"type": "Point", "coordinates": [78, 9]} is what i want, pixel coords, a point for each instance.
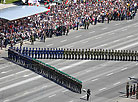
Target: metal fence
{"type": "Point", "coordinates": [45, 70]}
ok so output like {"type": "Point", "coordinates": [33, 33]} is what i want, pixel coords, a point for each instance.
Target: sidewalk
{"type": "Point", "coordinates": [126, 100]}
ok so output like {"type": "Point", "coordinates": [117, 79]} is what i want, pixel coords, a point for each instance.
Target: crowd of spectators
{"type": "Point", "coordinates": [63, 17]}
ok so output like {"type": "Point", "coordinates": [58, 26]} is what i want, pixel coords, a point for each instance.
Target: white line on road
{"type": "Point", "coordinates": [64, 90]}
{"type": "Point", "coordinates": [117, 24]}
{"type": "Point", "coordinates": [28, 75]}
{"type": "Point", "coordinates": [50, 45]}
{"type": "Point", "coordinates": [91, 32]}
{"type": "Point", "coordinates": [102, 34]}
{"type": "Point", "coordinates": [20, 83]}
{"type": "Point", "coordinates": [124, 29]}
{"type": "Point", "coordinates": [104, 28]}
{"type": "Point", "coordinates": [116, 83]}
{"type": "Point", "coordinates": [52, 95]}
{"type": "Point", "coordinates": [63, 40]}
{"type": "Point", "coordinates": [98, 38]}
{"type": "Point", "coordinates": [94, 79]}
{"type": "Point", "coordinates": [85, 42]}
{"type": "Point", "coordinates": [7, 66]}
{"type": "Point", "coordinates": [14, 74]}
{"type": "Point", "coordinates": [127, 46]}
{"type": "Point", "coordinates": [109, 74]}
{"type": "Point", "coordinates": [78, 36]}
{"type": "Point", "coordinates": [6, 71]}
{"type": "Point", "coordinates": [124, 69]}
{"type": "Point", "coordinates": [71, 101]}
{"type": "Point", "coordinates": [102, 89]}
{"type": "Point", "coordinates": [111, 33]}
{"type": "Point", "coordinates": [130, 36]}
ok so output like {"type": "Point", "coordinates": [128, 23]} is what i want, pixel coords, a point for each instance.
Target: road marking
{"type": "Point", "coordinates": [52, 95]}
{"type": "Point", "coordinates": [78, 36]}
{"type": "Point", "coordinates": [129, 36]}
{"type": "Point", "coordinates": [88, 70]}
{"type": "Point", "coordinates": [71, 101]}
{"type": "Point", "coordinates": [104, 28]}
{"type": "Point", "coordinates": [75, 64]}
{"type": "Point", "coordinates": [98, 38]}
{"type": "Point", "coordinates": [91, 32]}
{"type": "Point", "coordinates": [94, 79]}
{"type": "Point", "coordinates": [7, 66]}
{"type": "Point", "coordinates": [28, 75]}
{"type": "Point", "coordinates": [14, 74]}
{"type": "Point", "coordinates": [128, 46]}
{"type": "Point", "coordinates": [102, 89]}
{"type": "Point", "coordinates": [111, 33]}
{"type": "Point", "coordinates": [85, 42]}
{"type": "Point", "coordinates": [129, 20]}
{"type": "Point", "coordinates": [50, 45]}
{"type": "Point", "coordinates": [116, 83]}
{"type": "Point", "coordinates": [20, 83]}
{"type": "Point", "coordinates": [117, 24]}
{"type": "Point", "coordinates": [64, 90]}
{"type": "Point", "coordinates": [136, 63]}
{"type": "Point", "coordinates": [6, 71]}
{"type": "Point", "coordinates": [109, 74]}
{"type": "Point", "coordinates": [124, 69]}
{"type": "Point", "coordinates": [1, 58]}
{"type": "Point", "coordinates": [63, 40]}
{"type": "Point", "coordinates": [83, 96]}
{"type": "Point", "coordinates": [124, 29]}
{"type": "Point", "coordinates": [102, 34]}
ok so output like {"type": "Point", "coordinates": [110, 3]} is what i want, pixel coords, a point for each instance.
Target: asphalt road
{"type": "Point", "coordinates": [106, 79]}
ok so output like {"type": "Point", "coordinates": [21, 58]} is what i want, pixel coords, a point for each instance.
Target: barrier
{"type": "Point", "coordinates": [44, 69]}
{"type": "Point", "coordinates": [83, 54]}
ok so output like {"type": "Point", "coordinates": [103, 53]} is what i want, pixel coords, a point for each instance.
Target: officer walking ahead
{"type": "Point", "coordinates": [88, 94]}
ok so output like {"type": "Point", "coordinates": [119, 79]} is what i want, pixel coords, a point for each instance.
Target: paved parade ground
{"type": "Point", "coordinates": [105, 79]}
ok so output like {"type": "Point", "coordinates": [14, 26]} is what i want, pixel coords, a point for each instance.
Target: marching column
{"type": "Point", "coordinates": [42, 53]}
{"type": "Point", "coordinates": [29, 52]}
{"type": "Point", "coordinates": [36, 53]}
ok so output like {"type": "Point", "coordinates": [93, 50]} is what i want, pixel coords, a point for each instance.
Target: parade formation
{"type": "Point", "coordinates": [45, 70]}
{"type": "Point", "coordinates": [79, 54]}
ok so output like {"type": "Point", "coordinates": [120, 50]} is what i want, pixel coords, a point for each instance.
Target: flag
{"type": "Point", "coordinates": [49, 7]}
{"type": "Point", "coordinates": [66, 2]}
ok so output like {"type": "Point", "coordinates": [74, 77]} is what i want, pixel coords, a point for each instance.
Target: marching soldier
{"type": "Point", "coordinates": [79, 53]}
{"type": "Point", "coordinates": [134, 90]}
{"type": "Point", "coordinates": [35, 53]}
{"type": "Point", "coordinates": [135, 56]}
{"type": "Point", "coordinates": [89, 54]}
{"type": "Point", "coordinates": [127, 55]}
{"type": "Point", "coordinates": [112, 54]}
{"type": "Point", "coordinates": [87, 24]}
{"type": "Point", "coordinates": [127, 89]}
{"type": "Point", "coordinates": [106, 54]}
{"type": "Point", "coordinates": [103, 54]}
{"type": "Point", "coordinates": [70, 54]}
{"type": "Point", "coordinates": [76, 53]}
{"type": "Point", "coordinates": [118, 54]}
{"type": "Point", "coordinates": [82, 53]}
{"type": "Point", "coordinates": [132, 54]}
{"type": "Point", "coordinates": [121, 55]}
{"type": "Point", "coordinates": [64, 54]}
{"type": "Point", "coordinates": [42, 52]}
{"type": "Point", "coordinates": [92, 54]}
{"type": "Point", "coordinates": [73, 53]}
{"type": "Point", "coordinates": [109, 54]}
{"type": "Point", "coordinates": [86, 54]}
{"type": "Point", "coordinates": [67, 53]}
{"type": "Point", "coordinates": [131, 91]}
{"type": "Point", "coordinates": [88, 94]}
